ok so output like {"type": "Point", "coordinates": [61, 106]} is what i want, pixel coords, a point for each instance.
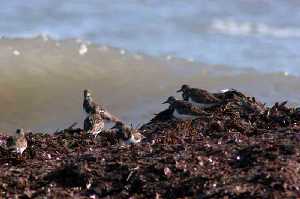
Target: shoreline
{"type": "Point", "coordinates": [33, 89]}
{"type": "Point", "coordinates": [245, 150]}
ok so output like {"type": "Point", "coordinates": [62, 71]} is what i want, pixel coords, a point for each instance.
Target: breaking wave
{"type": "Point", "coordinates": [232, 27]}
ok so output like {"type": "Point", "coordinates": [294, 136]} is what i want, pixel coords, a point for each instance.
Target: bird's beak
{"type": "Point", "coordinates": [165, 102]}
{"type": "Point", "coordinates": [180, 90]}
{"type": "Point", "coordinates": [114, 127]}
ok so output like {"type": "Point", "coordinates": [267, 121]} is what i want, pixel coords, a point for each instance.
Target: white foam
{"type": "Point", "coordinates": [45, 37]}
{"type": "Point", "coordinates": [232, 27]}
{"type": "Point", "coordinates": [169, 57]}
{"type": "Point", "coordinates": [122, 52]}
{"type": "Point", "coordinates": [16, 52]}
{"type": "Point", "coordinates": [83, 49]}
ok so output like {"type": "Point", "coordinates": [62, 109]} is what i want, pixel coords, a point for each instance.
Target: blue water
{"type": "Point", "coordinates": [260, 34]}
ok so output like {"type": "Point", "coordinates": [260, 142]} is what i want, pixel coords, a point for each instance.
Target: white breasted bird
{"type": "Point", "coordinates": [126, 134]}
{"type": "Point", "coordinates": [184, 110]}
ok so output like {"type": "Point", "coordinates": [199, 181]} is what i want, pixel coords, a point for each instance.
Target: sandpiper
{"type": "Point", "coordinates": [90, 107]}
{"type": "Point", "coordinates": [228, 93]}
{"type": "Point", "coordinates": [93, 124]}
{"type": "Point", "coordinates": [199, 97]}
{"type": "Point", "coordinates": [184, 110]}
{"type": "Point", "coordinates": [127, 134]}
{"type": "Point", "coordinates": [19, 143]}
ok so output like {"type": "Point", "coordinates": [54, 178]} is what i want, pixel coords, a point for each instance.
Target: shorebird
{"type": "Point", "coordinates": [19, 142]}
{"type": "Point", "coordinates": [90, 107]}
{"type": "Point", "coordinates": [93, 124]}
{"type": "Point", "coordinates": [199, 97]}
{"type": "Point", "coordinates": [127, 134]}
{"type": "Point", "coordinates": [228, 93]}
{"type": "Point", "coordinates": [184, 110]}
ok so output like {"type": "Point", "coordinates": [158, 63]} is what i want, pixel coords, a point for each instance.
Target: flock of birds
{"type": "Point", "coordinates": [192, 106]}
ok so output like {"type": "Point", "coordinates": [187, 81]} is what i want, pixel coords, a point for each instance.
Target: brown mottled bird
{"type": "Point", "coordinates": [90, 107]}
{"type": "Point", "coordinates": [93, 124]}
{"type": "Point", "coordinates": [229, 94]}
{"type": "Point", "coordinates": [184, 110]}
{"type": "Point", "coordinates": [127, 134]}
{"type": "Point", "coordinates": [199, 97]}
{"type": "Point", "coordinates": [18, 143]}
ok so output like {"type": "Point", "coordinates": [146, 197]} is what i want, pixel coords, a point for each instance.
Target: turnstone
{"type": "Point", "coordinates": [198, 97]}
{"type": "Point", "coordinates": [127, 134]}
{"type": "Point", "coordinates": [90, 107]}
{"type": "Point", "coordinates": [93, 124]}
{"type": "Point", "coordinates": [19, 143]}
{"type": "Point", "coordinates": [228, 94]}
{"type": "Point", "coordinates": [184, 110]}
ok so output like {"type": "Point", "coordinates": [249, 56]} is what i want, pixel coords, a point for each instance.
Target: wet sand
{"type": "Point", "coordinates": [42, 82]}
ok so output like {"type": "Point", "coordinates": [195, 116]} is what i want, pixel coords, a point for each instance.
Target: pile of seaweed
{"type": "Point", "coordinates": [243, 149]}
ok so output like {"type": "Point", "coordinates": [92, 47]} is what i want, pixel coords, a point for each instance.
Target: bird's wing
{"type": "Point", "coordinates": [127, 132]}
{"type": "Point", "coordinates": [198, 111]}
{"type": "Point", "coordinates": [184, 107]}
{"type": "Point", "coordinates": [87, 124]}
{"type": "Point", "coordinates": [203, 96]}
{"type": "Point", "coordinates": [85, 106]}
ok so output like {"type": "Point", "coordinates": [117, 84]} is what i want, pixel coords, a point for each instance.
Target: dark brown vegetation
{"type": "Point", "coordinates": [242, 150]}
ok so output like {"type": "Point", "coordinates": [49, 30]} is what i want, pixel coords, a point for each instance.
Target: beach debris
{"type": "Point", "coordinates": [242, 149]}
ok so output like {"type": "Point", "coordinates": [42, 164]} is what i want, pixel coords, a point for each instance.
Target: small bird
{"type": "Point", "coordinates": [199, 97]}
{"type": "Point", "coordinates": [184, 110]}
{"type": "Point", "coordinates": [93, 124]}
{"type": "Point", "coordinates": [19, 142]}
{"type": "Point", "coordinates": [229, 94]}
{"type": "Point", "coordinates": [127, 134]}
{"type": "Point", "coordinates": [90, 107]}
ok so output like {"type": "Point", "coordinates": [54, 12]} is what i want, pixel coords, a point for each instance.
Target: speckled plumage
{"type": "Point", "coordinates": [93, 124]}
{"type": "Point", "coordinates": [127, 134]}
{"type": "Point", "coordinates": [19, 142]}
